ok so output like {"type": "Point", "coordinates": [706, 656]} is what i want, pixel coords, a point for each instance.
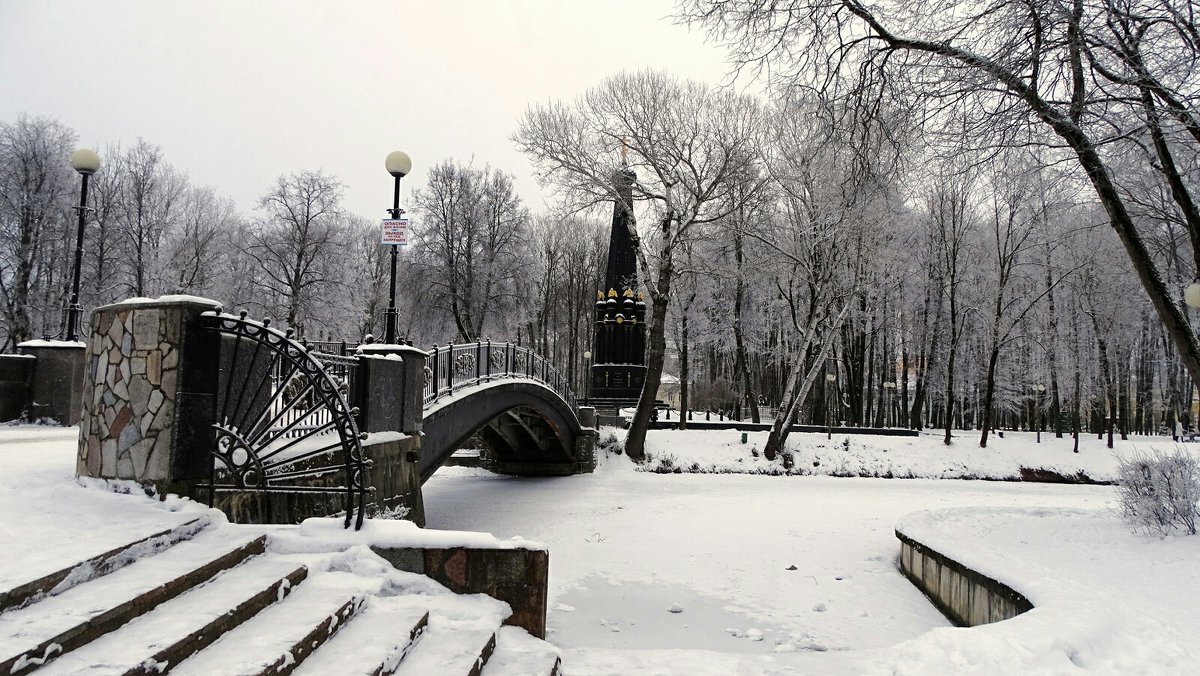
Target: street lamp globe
{"type": "Point", "coordinates": [1041, 387]}
{"type": "Point", "coordinates": [830, 377]}
{"type": "Point", "coordinates": [1191, 295]}
{"type": "Point", "coordinates": [398, 163]}
{"type": "Point", "coordinates": [85, 161]}
{"type": "Point", "coordinates": [587, 355]}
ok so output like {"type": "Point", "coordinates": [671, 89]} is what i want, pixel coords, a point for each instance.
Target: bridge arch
{"type": "Point", "coordinates": [529, 428]}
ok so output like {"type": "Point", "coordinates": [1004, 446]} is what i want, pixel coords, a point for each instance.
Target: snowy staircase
{"type": "Point", "coordinates": [215, 600]}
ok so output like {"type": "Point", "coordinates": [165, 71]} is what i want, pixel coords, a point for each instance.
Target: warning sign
{"type": "Point", "coordinates": [395, 231]}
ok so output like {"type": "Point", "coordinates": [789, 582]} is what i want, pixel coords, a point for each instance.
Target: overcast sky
{"type": "Point", "coordinates": [237, 93]}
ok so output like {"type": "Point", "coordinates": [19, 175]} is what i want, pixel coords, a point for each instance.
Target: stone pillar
{"type": "Point", "coordinates": [149, 391]}
{"type": "Point", "coordinates": [16, 382]}
{"type": "Point", "coordinates": [391, 396]}
{"type": "Point", "coordinates": [58, 379]}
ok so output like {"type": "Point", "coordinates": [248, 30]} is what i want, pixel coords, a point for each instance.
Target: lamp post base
{"type": "Point", "coordinates": [389, 325]}
{"type": "Point", "coordinates": [74, 319]}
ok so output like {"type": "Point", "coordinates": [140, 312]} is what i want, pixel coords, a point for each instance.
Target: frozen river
{"type": "Point", "coordinates": [626, 546]}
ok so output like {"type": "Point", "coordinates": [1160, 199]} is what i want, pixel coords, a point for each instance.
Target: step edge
{"type": "Point", "coordinates": [311, 642]}
{"type": "Point", "coordinates": [165, 659]}
{"type": "Point", "coordinates": [394, 657]}
{"type": "Point", "coordinates": [52, 584]}
{"type": "Point", "coordinates": [113, 618]}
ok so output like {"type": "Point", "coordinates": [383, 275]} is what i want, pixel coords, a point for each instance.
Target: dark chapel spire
{"type": "Point", "coordinates": [619, 349]}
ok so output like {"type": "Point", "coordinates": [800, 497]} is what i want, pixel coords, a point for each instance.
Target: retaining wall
{"type": "Point", "coordinates": [519, 577]}
{"type": "Point", "coordinates": [966, 597]}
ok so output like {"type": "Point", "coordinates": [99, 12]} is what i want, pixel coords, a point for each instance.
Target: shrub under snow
{"type": "Point", "coordinates": [1158, 492]}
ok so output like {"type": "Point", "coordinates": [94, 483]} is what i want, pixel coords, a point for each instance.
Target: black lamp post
{"type": "Point", "coordinates": [86, 162]}
{"type": "Point", "coordinates": [587, 376]}
{"type": "Point", "coordinates": [398, 165]}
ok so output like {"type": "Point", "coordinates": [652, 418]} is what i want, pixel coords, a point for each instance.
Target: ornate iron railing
{"type": "Point", "coordinates": [455, 366]}
{"type": "Point", "coordinates": [283, 421]}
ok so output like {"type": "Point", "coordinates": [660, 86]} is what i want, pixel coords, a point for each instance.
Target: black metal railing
{"type": "Point", "coordinates": [283, 419]}
{"type": "Point", "coordinates": [452, 367]}
{"type": "Point", "coordinates": [339, 348]}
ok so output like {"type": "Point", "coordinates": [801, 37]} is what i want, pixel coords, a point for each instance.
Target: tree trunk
{"type": "Point", "coordinates": [684, 406]}
{"type": "Point", "coordinates": [739, 343]}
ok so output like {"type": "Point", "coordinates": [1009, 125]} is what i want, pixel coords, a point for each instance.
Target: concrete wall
{"type": "Point", "coordinates": [519, 577]}
{"type": "Point", "coordinates": [967, 598]}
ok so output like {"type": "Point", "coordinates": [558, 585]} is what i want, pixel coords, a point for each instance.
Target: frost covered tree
{"type": "Point", "coordinates": [151, 200]}
{"type": "Point", "coordinates": [689, 144]}
{"type": "Point", "coordinates": [1068, 75]}
{"type": "Point", "coordinates": [35, 188]}
{"type": "Point", "coordinates": [299, 242]}
{"type": "Point", "coordinates": [470, 243]}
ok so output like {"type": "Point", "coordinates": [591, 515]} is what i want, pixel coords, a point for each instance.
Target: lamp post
{"type": "Point", "coordinates": [888, 386]}
{"type": "Point", "coordinates": [86, 162]}
{"type": "Point", "coordinates": [829, 378]}
{"type": "Point", "coordinates": [587, 376]}
{"type": "Point", "coordinates": [398, 164]}
{"type": "Point", "coordinates": [1191, 294]}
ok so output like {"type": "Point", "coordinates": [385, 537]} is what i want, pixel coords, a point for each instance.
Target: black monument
{"type": "Point", "coordinates": [619, 350]}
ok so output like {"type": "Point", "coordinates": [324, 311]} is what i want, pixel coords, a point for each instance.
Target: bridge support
{"type": "Point", "coordinates": [389, 393]}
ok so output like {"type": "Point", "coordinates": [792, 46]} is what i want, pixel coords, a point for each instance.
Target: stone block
{"type": "Point", "coordinates": [16, 385]}
{"type": "Point", "coordinates": [58, 383]}
{"type": "Point", "coordinates": [145, 328]}
{"type": "Point", "coordinates": [519, 577]}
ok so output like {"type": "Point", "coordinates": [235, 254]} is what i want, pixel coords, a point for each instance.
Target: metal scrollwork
{"type": "Point", "coordinates": [496, 359]}
{"type": "Point", "coordinates": [464, 364]}
{"type": "Point", "coordinates": [283, 422]}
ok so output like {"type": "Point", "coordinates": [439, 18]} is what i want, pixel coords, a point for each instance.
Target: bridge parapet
{"type": "Point", "coordinates": [457, 366]}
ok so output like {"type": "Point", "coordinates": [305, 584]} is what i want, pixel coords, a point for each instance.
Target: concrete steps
{"type": "Point", "coordinates": [278, 639]}
{"type": "Point", "coordinates": [177, 629]}
{"type": "Point", "coordinates": [451, 647]}
{"type": "Point", "coordinates": [97, 566]}
{"type": "Point", "coordinates": [200, 600]}
{"type": "Point", "coordinates": [520, 654]}
{"type": "Point", "coordinates": [40, 632]}
{"type": "Point", "coordinates": [376, 642]}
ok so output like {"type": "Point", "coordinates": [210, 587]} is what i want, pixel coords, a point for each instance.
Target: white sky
{"type": "Point", "coordinates": [237, 93]}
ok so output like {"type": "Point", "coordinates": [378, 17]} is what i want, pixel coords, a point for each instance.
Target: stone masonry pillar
{"type": "Point", "coordinates": [148, 392]}
{"type": "Point", "coordinates": [390, 395]}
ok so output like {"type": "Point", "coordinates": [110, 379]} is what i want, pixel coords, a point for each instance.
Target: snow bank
{"type": "Point", "coordinates": [1104, 599]}
{"type": "Point", "coordinates": [324, 534]}
{"type": "Point", "coordinates": [923, 457]}
{"type": "Point", "coordinates": [52, 343]}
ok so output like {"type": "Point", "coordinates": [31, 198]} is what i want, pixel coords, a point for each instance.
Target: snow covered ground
{"type": "Point", "coordinates": [627, 547]}
{"type": "Point", "coordinates": [903, 457]}
{"type": "Point", "coordinates": [768, 574]}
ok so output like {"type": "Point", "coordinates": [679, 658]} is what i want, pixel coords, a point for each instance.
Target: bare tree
{"type": "Point", "coordinates": [470, 242]}
{"type": "Point", "coordinates": [1059, 73]}
{"type": "Point", "coordinates": [35, 183]}
{"type": "Point", "coordinates": [689, 145]}
{"type": "Point", "coordinates": [296, 244]}
{"type": "Point", "coordinates": [152, 197]}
